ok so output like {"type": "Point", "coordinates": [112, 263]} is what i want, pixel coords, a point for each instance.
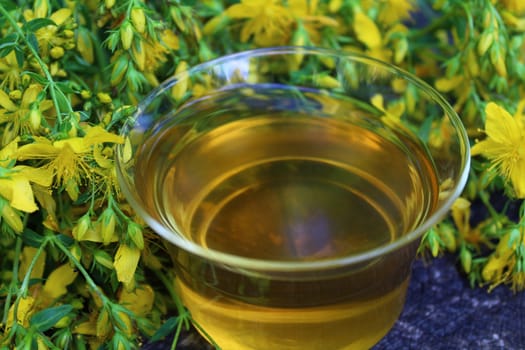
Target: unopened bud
{"type": "Point", "coordinates": [138, 19]}
{"type": "Point", "coordinates": [82, 226]}
{"type": "Point", "coordinates": [11, 218]}
{"type": "Point", "coordinates": [85, 94]}
{"type": "Point", "coordinates": [57, 52]}
{"type": "Point", "coordinates": [104, 97]}
{"type": "Point", "coordinates": [35, 117]}
{"type": "Point", "coordinates": [15, 94]}
{"type": "Point", "coordinates": [126, 35]}
{"type": "Point", "coordinates": [107, 225]}
{"type": "Point", "coordinates": [326, 81]}
{"type": "Point", "coordinates": [134, 232]}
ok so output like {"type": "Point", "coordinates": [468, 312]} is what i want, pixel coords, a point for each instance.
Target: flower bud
{"type": "Point", "coordinates": [139, 55]}
{"type": "Point", "coordinates": [466, 259]}
{"type": "Point", "coordinates": [215, 24]}
{"type": "Point", "coordinates": [334, 5]}
{"type": "Point", "coordinates": [120, 67]}
{"type": "Point", "coordinates": [103, 258]}
{"type": "Point", "coordinates": [35, 117]}
{"type": "Point", "coordinates": [138, 19]}
{"type": "Point", "coordinates": [180, 88]}
{"type": "Point", "coordinates": [85, 94]}
{"type": "Point", "coordinates": [126, 35]}
{"type": "Point", "coordinates": [134, 232]}
{"type": "Point", "coordinates": [82, 226]}
{"type": "Point", "coordinates": [11, 218]}
{"type": "Point", "coordinates": [57, 52]}
{"type": "Point", "coordinates": [327, 81]}
{"type": "Point", "coordinates": [15, 94]}
{"type": "Point", "coordinates": [107, 225]}
{"type": "Point", "coordinates": [104, 97]}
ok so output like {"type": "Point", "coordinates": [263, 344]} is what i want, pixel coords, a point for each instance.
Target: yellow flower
{"type": "Point", "coordinates": [306, 12]}
{"type": "Point", "coordinates": [268, 21]}
{"type": "Point", "coordinates": [50, 36]}
{"type": "Point", "coordinates": [368, 33]}
{"type": "Point", "coordinates": [394, 11]}
{"type": "Point", "coordinates": [15, 181]}
{"type": "Point", "coordinates": [21, 113]}
{"type": "Point", "coordinates": [139, 301]}
{"type": "Point", "coordinates": [10, 72]}
{"type": "Point", "coordinates": [504, 146]}
{"type": "Point", "coordinates": [68, 158]}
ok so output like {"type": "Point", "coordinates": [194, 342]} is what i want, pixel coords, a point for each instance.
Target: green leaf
{"type": "Point", "coordinates": [36, 77]}
{"type": "Point", "coordinates": [20, 56]}
{"type": "Point", "coordinates": [8, 44]}
{"type": "Point", "coordinates": [47, 318]}
{"type": "Point", "coordinates": [65, 87]}
{"type": "Point", "coordinates": [31, 238]}
{"type": "Point", "coordinates": [65, 240]}
{"type": "Point", "coordinates": [32, 41]}
{"type": "Point", "coordinates": [166, 329]}
{"type": "Point", "coordinates": [37, 23]}
{"type": "Point", "coordinates": [62, 100]}
{"type": "Point", "coordinates": [8, 5]}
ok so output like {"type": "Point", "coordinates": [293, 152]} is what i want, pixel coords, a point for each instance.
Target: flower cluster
{"type": "Point", "coordinates": [79, 268]}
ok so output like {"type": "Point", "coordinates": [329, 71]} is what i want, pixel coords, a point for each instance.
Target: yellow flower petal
{"type": "Point", "coordinates": [95, 235]}
{"type": "Point", "coordinates": [22, 195]}
{"type": "Point", "coordinates": [448, 84]}
{"type": "Point", "coordinates": [36, 150]}
{"type": "Point", "coordinates": [499, 125]}
{"type": "Point", "coordinates": [58, 281]}
{"type": "Point", "coordinates": [140, 300]}
{"type": "Point", "coordinates": [28, 253]}
{"type": "Point", "coordinates": [517, 177]}
{"type": "Point", "coordinates": [98, 134]}
{"type": "Point", "coordinates": [77, 144]}
{"type": "Point", "coordinates": [42, 176]}
{"type": "Point", "coordinates": [6, 102]}
{"type": "Point", "coordinates": [169, 39]}
{"type": "Point", "coordinates": [366, 30]}
{"type": "Point", "coordinates": [240, 11]}
{"type": "Point", "coordinates": [377, 102]}
{"type": "Point", "coordinates": [126, 261]}
{"type": "Point", "coordinates": [30, 95]}
{"type": "Point", "coordinates": [60, 16]}
{"type": "Point", "coordinates": [8, 153]}
{"type": "Point", "coordinates": [24, 310]}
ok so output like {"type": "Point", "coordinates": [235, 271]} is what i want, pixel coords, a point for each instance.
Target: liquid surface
{"type": "Point", "coordinates": [262, 174]}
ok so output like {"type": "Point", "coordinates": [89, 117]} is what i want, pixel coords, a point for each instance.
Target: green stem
{"type": "Point", "coordinates": [176, 299]}
{"type": "Point", "coordinates": [177, 335]}
{"type": "Point", "coordinates": [22, 292]}
{"type": "Point", "coordinates": [14, 279]}
{"type": "Point", "coordinates": [51, 83]}
{"type": "Point", "coordinates": [206, 335]}
{"type": "Point", "coordinates": [80, 268]}
{"type": "Point", "coordinates": [486, 201]}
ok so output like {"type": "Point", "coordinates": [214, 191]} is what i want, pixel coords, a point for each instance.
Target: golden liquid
{"type": "Point", "coordinates": [289, 185]}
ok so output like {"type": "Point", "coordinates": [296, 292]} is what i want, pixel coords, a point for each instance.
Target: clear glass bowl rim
{"type": "Point", "coordinates": [240, 262]}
